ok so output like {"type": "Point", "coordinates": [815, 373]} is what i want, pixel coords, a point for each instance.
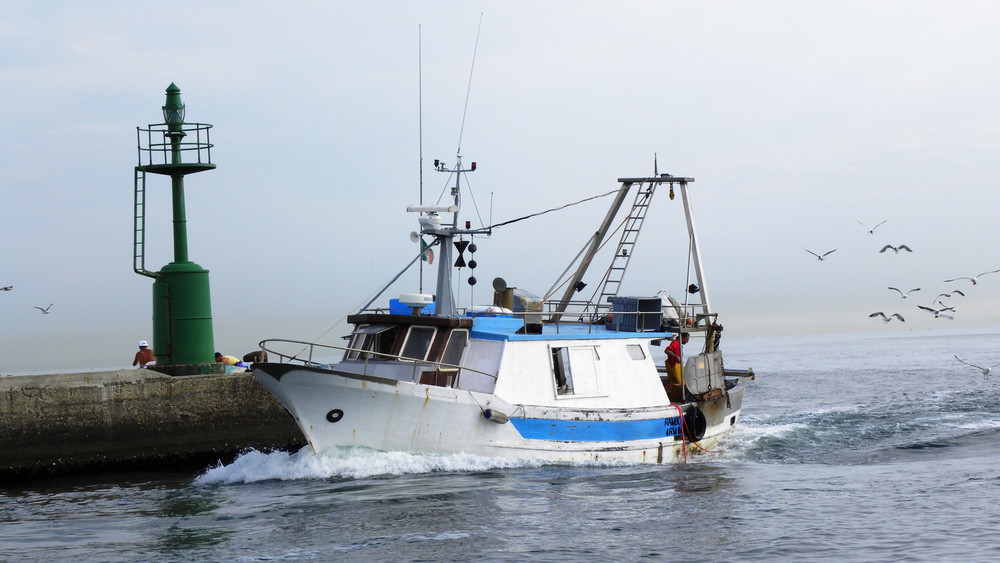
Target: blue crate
{"type": "Point", "coordinates": [635, 314]}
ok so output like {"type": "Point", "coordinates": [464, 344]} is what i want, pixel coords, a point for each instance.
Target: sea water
{"type": "Point", "coordinates": [873, 447]}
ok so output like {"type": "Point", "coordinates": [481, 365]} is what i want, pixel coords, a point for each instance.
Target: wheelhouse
{"type": "Point", "coordinates": [405, 338]}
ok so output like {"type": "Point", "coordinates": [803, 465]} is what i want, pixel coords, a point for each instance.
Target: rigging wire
{"type": "Point", "coordinates": [468, 187]}
{"type": "Point", "coordinates": [551, 210]}
{"type": "Point", "coordinates": [420, 253]}
{"type": "Point", "coordinates": [607, 239]}
{"type": "Point", "coordinates": [445, 188]}
{"type": "Point", "coordinates": [472, 195]}
{"type": "Point", "coordinates": [570, 265]}
{"type": "Point", "coordinates": [371, 299]}
{"type": "Point", "coordinates": [469, 87]}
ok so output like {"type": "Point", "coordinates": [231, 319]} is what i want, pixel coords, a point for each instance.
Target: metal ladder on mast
{"type": "Point", "coordinates": [139, 226]}
{"type": "Point", "coordinates": [630, 233]}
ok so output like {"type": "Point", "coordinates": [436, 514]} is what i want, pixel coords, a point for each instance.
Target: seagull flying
{"type": "Point", "coordinates": [984, 371]}
{"type": "Point", "coordinates": [895, 249]}
{"type": "Point", "coordinates": [905, 295]}
{"type": "Point", "coordinates": [819, 257]}
{"type": "Point", "coordinates": [973, 279]}
{"type": "Point", "coordinates": [871, 230]}
{"type": "Point", "coordinates": [940, 295]}
{"type": "Point", "coordinates": [6, 288]}
{"type": "Point", "coordinates": [939, 312]}
{"type": "Point", "coordinates": [44, 311]}
{"type": "Point", "coordinates": [885, 319]}
{"type": "Point", "coordinates": [939, 301]}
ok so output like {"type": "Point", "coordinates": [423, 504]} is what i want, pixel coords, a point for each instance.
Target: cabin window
{"type": "Point", "coordinates": [351, 354]}
{"type": "Point", "coordinates": [635, 352]}
{"type": "Point", "coordinates": [383, 343]}
{"type": "Point", "coordinates": [372, 338]}
{"type": "Point", "coordinates": [418, 342]}
{"type": "Point", "coordinates": [456, 345]}
{"type": "Point", "coordinates": [575, 370]}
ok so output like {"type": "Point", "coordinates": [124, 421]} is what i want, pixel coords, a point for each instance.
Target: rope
{"type": "Point", "coordinates": [695, 444]}
{"type": "Point", "coordinates": [551, 210]}
{"type": "Point", "coordinates": [680, 414]}
{"type": "Point", "coordinates": [473, 397]}
{"type": "Point", "coordinates": [684, 435]}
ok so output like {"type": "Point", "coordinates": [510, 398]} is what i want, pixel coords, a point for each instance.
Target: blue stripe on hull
{"type": "Point", "coordinates": [597, 430]}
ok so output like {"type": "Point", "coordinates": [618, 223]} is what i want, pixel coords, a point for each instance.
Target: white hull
{"type": "Point", "coordinates": [340, 409]}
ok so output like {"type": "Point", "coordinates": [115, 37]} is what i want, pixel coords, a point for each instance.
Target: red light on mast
{"type": "Point", "coordinates": [473, 166]}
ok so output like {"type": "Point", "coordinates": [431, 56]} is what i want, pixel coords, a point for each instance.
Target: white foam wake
{"type": "Point", "coordinates": [353, 463]}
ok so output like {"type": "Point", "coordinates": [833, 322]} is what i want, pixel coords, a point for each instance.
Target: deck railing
{"type": "Point", "coordinates": [307, 352]}
{"type": "Point", "coordinates": [156, 149]}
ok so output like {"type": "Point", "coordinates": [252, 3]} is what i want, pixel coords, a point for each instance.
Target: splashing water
{"type": "Point", "coordinates": [347, 463]}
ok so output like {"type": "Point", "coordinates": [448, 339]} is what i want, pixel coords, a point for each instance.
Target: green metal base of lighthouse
{"type": "Point", "coordinates": [182, 321]}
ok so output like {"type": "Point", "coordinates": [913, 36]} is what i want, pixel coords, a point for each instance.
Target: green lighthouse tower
{"type": "Point", "coordinates": [182, 308]}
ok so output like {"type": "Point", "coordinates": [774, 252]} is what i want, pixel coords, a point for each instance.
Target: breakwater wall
{"type": "Point", "coordinates": [134, 419]}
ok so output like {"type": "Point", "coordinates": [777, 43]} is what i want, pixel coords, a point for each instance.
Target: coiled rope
{"type": "Point", "coordinates": [684, 435]}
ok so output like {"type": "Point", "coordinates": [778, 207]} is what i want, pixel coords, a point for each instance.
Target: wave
{"type": "Point", "coordinates": [362, 463]}
{"type": "Point", "coordinates": [886, 428]}
{"type": "Point", "coordinates": [972, 440]}
{"type": "Point", "coordinates": [347, 463]}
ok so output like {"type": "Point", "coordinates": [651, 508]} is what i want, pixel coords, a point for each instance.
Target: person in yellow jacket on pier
{"type": "Point", "coordinates": [229, 360]}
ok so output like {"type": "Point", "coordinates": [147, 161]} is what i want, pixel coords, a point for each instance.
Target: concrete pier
{"type": "Point", "coordinates": [134, 419]}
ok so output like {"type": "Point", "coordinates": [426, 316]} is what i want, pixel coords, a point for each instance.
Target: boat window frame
{"type": "Point", "coordinates": [447, 346]}
{"type": "Point", "coordinates": [428, 344]}
{"type": "Point", "coordinates": [369, 336]}
{"type": "Point", "coordinates": [561, 358]}
{"type": "Point", "coordinates": [637, 347]}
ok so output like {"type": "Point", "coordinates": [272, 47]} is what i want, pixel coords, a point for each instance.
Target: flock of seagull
{"type": "Point", "coordinates": [938, 307]}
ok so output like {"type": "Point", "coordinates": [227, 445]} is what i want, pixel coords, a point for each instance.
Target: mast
{"type": "Point", "coordinates": [444, 297]}
{"type": "Point", "coordinates": [431, 224]}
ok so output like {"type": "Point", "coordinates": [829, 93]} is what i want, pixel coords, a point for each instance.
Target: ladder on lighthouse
{"type": "Point", "coordinates": [139, 226]}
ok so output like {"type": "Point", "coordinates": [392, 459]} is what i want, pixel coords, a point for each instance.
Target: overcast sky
{"type": "Point", "coordinates": [797, 120]}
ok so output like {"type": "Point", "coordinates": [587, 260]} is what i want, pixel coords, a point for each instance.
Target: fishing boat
{"type": "Point", "coordinates": [522, 376]}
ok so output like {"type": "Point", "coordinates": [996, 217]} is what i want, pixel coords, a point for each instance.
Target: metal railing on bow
{"type": "Point", "coordinates": [307, 355]}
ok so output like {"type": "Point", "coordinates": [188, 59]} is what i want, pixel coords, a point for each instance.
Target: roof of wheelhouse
{"type": "Point", "coordinates": [506, 328]}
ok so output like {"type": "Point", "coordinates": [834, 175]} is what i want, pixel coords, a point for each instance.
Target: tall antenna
{"type": "Point", "coordinates": [420, 128]}
{"type": "Point", "coordinates": [469, 88]}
